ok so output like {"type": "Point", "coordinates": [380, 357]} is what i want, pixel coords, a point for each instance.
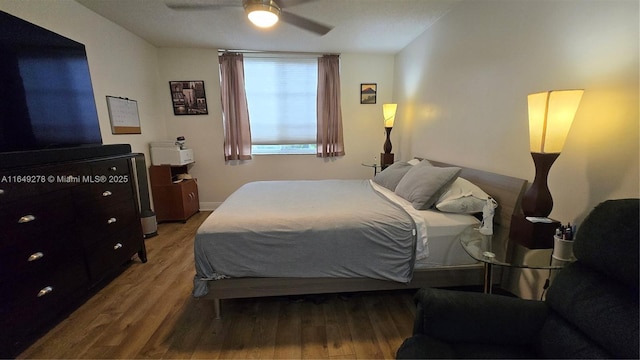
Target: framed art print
{"type": "Point", "coordinates": [368, 93]}
{"type": "Point", "coordinates": [188, 97]}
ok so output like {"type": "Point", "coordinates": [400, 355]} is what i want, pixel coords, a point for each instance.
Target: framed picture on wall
{"type": "Point", "coordinates": [368, 93]}
{"type": "Point", "coordinates": [188, 97]}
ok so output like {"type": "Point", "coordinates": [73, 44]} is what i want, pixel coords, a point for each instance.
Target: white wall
{"type": "Point", "coordinates": [121, 64]}
{"type": "Point", "coordinates": [462, 91]}
{"type": "Point", "coordinates": [363, 126]}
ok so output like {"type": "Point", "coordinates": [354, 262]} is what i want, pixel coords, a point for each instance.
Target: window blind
{"type": "Point", "coordinates": [281, 96]}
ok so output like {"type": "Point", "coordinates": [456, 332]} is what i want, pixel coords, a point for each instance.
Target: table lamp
{"type": "Point", "coordinates": [389, 114]}
{"type": "Point", "coordinates": [550, 116]}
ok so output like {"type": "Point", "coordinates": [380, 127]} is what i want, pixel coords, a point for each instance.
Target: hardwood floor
{"type": "Point", "coordinates": [148, 312]}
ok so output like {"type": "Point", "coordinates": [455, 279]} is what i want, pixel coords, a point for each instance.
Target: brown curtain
{"type": "Point", "coordinates": [329, 136]}
{"type": "Point", "coordinates": [235, 113]}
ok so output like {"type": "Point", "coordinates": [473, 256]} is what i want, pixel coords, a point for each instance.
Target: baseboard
{"type": "Point", "coordinates": [209, 206]}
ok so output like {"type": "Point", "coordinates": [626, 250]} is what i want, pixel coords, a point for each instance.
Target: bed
{"type": "Point", "coordinates": [279, 238]}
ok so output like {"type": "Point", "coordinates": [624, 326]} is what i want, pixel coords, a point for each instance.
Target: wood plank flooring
{"type": "Point", "coordinates": [148, 312]}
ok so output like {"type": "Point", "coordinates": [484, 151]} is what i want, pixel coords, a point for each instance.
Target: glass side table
{"type": "Point", "coordinates": [482, 249]}
{"type": "Point", "coordinates": [376, 168]}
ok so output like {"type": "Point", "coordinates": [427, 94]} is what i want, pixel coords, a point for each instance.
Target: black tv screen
{"type": "Point", "coordinates": [46, 97]}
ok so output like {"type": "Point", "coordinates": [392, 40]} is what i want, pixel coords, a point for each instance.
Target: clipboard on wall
{"type": "Point", "coordinates": [123, 114]}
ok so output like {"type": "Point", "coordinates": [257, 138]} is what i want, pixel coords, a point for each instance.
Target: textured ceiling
{"type": "Point", "coordinates": [360, 26]}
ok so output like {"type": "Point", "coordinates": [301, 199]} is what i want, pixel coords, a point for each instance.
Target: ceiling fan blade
{"type": "Point", "coordinates": [194, 5]}
{"type": "Point", "coordinates": [289, 3]}
{"type": "Point", "coordinates": [305, 23]}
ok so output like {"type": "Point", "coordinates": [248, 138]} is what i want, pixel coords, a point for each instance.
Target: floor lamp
{"type": "Point", "coordinates": [389, 113]}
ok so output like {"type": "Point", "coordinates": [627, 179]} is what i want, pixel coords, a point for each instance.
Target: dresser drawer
{"type": "Point", "coordinates": [29, 218]}
{"type": "Point", "coordinates": [110, 167]}
{"type": "Point", "coordinates": [109, 253]}
{"type": "Point", "coordinates": [107, 221]}
{"type": "Point", "coordinates": [30, 301]}
{"type": "Point", "coordinates": [102, 194]}
{"type": "Point", "coordinates": [39, 253]}
{"type": "Point", "coordinates": [25, 183]}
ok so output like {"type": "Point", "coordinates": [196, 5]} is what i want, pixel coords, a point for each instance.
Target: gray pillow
{"type": "Point", "coordinates": [423, 184]}
{"type": "Point", "coordinates": [391, 176]}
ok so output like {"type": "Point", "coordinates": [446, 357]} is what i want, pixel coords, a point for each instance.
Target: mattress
{"type": "Point", "coordinates": [324, 228]}
{"type": "Point", "coordinates": [445, 231]}
{"type": "Point", "coordinates": [309, 228]}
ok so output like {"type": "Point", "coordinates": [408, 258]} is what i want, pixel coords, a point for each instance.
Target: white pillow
{"type": "Point", "coordinates": [414, 161]}
{"type": "Point", "coordinates": [462, 197]}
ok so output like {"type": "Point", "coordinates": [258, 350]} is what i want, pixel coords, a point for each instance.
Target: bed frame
{"type": "Point", "coordinates": [505, 189]}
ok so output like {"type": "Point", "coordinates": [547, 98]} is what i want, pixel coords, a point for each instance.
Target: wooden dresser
{"type": "Point", "coordinates": [66, 228]}
{"type": "Point", "coordinates": [174, 199]}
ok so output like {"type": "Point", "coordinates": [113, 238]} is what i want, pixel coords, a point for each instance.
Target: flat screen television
{"type": "Point", "coordinates": [46, 96]}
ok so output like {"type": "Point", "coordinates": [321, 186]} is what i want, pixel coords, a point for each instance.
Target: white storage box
{"type": "Point", "coordinates": [165, 144]}
{"type": "Point", "coordinates": [171, 156]}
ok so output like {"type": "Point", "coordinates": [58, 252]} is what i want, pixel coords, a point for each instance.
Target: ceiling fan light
{"type": "Point", "coordinates": [263, 19]}
{"type": "Point", "coordinates": [262, 13]}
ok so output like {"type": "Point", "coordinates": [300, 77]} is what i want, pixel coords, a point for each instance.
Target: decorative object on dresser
{"type": "Point", "coordinates": [175, 192]}
{"type": "Point", "coordinates": [550, 116]}
{"type": "Point", "coordinates": [68, 227]}
{"type": "Point", "coordinates": [389, 113]}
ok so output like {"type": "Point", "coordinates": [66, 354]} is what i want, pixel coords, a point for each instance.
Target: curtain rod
{"type": "Point", "coordinates": [258, 52]}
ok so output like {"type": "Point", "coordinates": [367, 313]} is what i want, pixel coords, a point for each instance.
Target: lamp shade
{"type": "Point", "coordinates": [389, 113]}
{"type": "Point", "coordinates": [550, 116]}
{"type": "Point", "coordinates": [262, 13]}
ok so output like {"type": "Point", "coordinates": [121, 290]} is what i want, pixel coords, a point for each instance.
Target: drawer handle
{"type": "Point", "coordinates": [26, 219]}
{"type": "Point", "coordinates": [117, 246]}
{"type": "Point", "coordinates": [45, 291]}
{"type": "Point", "coordinates": [113, 168]}
{"type": "Point", "coordinates": [111, 221]}
{"type": "Point", "coordinates": [35, 256]}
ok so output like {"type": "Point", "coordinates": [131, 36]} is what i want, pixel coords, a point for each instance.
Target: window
{"type": "Point", "coordinates": [281, 96]}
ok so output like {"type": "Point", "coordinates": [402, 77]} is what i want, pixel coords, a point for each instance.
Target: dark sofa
{"type": "Point", "coordinates": [590, 311]}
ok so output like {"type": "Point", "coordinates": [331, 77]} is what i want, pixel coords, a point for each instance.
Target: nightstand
{"type": "Point", "coordinates": [533, 234]}
{"type": "Point", "coordinates": [175, 194]}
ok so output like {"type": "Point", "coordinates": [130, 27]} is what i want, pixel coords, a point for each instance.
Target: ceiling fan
{"type": "Point", "coordinates": [262, 13]}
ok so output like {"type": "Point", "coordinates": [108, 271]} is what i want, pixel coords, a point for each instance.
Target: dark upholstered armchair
{"type": "Point", "coordinates": [591, 308]}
